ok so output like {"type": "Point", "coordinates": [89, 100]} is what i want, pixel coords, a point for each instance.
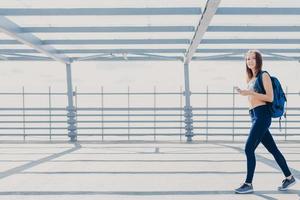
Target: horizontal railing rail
{"type": "Point", "coordinates": [122, 115]}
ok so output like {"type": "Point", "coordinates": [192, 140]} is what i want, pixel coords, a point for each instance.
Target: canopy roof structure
{"type": "Point", "coordinates": [69, 31]}
{"type": "Point", "coordinates": [146, 30]}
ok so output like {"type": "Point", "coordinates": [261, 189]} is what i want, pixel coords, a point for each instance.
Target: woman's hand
{"type": "Point", "coordinates": [245, 92]}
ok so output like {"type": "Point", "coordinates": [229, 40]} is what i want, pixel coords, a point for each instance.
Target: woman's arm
{"type": "Point", "coordinates": [268, 97]}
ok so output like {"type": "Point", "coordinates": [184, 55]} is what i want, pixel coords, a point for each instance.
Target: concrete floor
{"type": "Point", "coordinates": [139, 170]}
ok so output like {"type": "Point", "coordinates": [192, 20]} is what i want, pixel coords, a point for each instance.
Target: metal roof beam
{"type": "Point", "coordinates": [98, 51]}
{"type": "Point", "coordinates": [93, 57]}
{"type": "Point", "coordinates": [146, 11]}
{"type": "Point", "coordinates": [159, 56]}
{"type": "Point", "coordinates": [3, 57]}
{"type": "Point", "coordinates": [119, 41]}
{"type": "Point", "coordinates": [218, 56]}
{"type": "Point", "coordinates": [125, 29]}
{"type": "Point", "coordinates": [99, 11]}
{"type": "Point", "coordinates": [39, 45]}
{"type": "Point", "coordinates": [25, 55]}
{"type": "Point", "coordinates": [17, 58]}
{"type": "Point", "coordinates": [241, 58]}
{"type": "Point", "coordinates": [208, 13]}
{"type": "Point", "coordinates": [99, 41]}
{"type": "Point", "coordinates": [88, 51]}
{"type": "Point", "coordinates": [258, 11]}
{"type": "Point", "coordinates": [175, 58]}
{"type": "Point", "coordinates": [245, 50]}
{"type": "Point", "coordinates": [250, 41]}
{"type": "Point", "coordinates": [147, 29]}
{"type": "Point", "coordinates": [290, 58]}
{"type": "Point", "coordinates": [124, 56]}
{"type": "Point", "coordinates": [134, 58]}
{"type": "Point", "coordinates": [13, 30]}
{"type": "Point", "coordinates": [253, 29]}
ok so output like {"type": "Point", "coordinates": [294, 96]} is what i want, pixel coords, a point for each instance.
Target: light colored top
{"type": "Point", "coordinates": [253, 102]}
{"type": "Point", "coordinates": [251, 84]}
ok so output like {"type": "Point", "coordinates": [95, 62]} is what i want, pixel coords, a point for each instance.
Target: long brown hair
{"type": "Point", "coordinates": [258, 66]}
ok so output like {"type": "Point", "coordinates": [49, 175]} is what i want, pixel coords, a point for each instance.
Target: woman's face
{"type": "Point", "coordinates": [251, 61]}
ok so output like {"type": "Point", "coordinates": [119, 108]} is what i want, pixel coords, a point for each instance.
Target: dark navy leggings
{"type": "Point", "coordinates": [259, 132]}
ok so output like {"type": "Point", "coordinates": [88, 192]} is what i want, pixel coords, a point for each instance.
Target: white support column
{"type": "Point", "coordinates": [208, 13]}
{"type": "Point", "coordinates": [72, 129]}
{"type": "Point", "coordinates": [188, 108]}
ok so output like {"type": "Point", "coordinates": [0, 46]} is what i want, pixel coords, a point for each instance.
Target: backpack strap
{"type": "Point", "coordinates": [260, 81]}
{"type": "Point", "coordinates": [280, 124]}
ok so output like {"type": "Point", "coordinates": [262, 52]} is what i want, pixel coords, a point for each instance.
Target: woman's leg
{"type": "Point", "coordinates": [257, 131]}
{"type": "Point", "coordinates": [260, 124]}
{"type": "Point", "coordinates": [271, 146]}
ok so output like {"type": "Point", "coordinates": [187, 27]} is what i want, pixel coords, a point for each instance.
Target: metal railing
{"type": "Point", "coordinates": [105, 116]}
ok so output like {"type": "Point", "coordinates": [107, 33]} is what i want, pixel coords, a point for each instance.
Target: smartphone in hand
{"type": "Point", "coordinates": [237, 89]}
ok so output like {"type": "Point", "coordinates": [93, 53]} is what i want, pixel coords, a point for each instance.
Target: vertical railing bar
{"type": "Point", "coordinates": [76, 106]}
{"type": "Point", "coordinates": [128, 112]}
{"type": "Point", "coordinates": [233, 114]}
{"type": "Point", "coordinates": [207, 113]}
{"type": "Point", "coordinates": [23, 102]}
{"type": "Point", "coordinates": [285, 128]}
{"type": "Point", "coordinates": [102, 113]}
{"type": "Point", "coordinates": [180, 112]}
{"type": "Point", "coordinates": [154, 111]}
{"type": "Point", "coordinates": [50, 114]}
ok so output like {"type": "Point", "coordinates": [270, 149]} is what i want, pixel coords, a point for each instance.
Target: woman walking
{"type": "Point", "coordinates": [261, 121]}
